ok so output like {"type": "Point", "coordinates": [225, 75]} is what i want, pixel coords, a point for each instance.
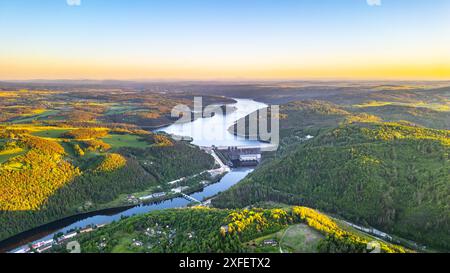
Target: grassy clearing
{"type": "Point", "coordinates": [121, 109]}
{"type": "Point", "coordinates": [124, 245]}
{"type": "Point", "coordinates": [68, 148]}
{"type": "Point", "coordinates": [301, 239]}
{"type": "Point", "coordinates": [50, 133]}
{"type": "Point", "coordinates": [119, 141]}
{"type": "Point", "coordinates": [294, 239]}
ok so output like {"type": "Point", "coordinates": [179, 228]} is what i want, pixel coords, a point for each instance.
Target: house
{"type": "Point", "coordinates": [137, 243]}
{"type": "Point", "coordinates": [69, 236]}
{"type": "Point", "coordinates": [224, 229]}
{"type": "Point", "coordinates": [154, 195]}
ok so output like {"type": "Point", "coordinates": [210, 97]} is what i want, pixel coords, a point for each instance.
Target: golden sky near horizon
{"type": "Point", "coordinates": [173, 39]}
{"type": "Point", "coordinates": [30, 68]}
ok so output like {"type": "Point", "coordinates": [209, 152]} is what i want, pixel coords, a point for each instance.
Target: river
{"type": "Point", "coordinates": [204, 132]}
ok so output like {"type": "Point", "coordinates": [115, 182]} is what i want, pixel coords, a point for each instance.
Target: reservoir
{"type": "Point", "coordinates": [205, 132]}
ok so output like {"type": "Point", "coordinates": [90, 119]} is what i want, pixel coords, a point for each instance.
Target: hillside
{"type": "Point", "coordinates": [204, 230]}
{"type": "Point", "coordinates": [391, 176]}
{"type": "Point", "coordinates": [435, 116]}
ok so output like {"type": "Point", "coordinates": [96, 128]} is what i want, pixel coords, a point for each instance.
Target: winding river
{"type": "Point", "coordinates": [204, 132]}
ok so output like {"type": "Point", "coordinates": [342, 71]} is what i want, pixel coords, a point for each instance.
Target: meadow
{"type": "Point", "coordinates": [119, 141]}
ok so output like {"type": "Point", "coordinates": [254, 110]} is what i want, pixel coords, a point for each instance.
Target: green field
{"type": "Point", "coordinates": [119, 141]}
{"type": "Point", "coordinates": [294, 239]}
{"type": "Point", "coordinates": [6, 155]}
{"type": "Point", "coordinates": [69, 149]}
{"type": "Point", "coordinates": [125, 244]}
{"type": "Point", "coordinates": [120, 109]}
{"type": "Point", "coordinates": [300, 239]}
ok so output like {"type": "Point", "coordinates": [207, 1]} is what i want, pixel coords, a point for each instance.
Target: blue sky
{"type": "Point", "coordinates": [219, 38]}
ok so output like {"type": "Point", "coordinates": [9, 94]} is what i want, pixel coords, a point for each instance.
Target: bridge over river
{"type": "Point", "coordinates": [190, 198]}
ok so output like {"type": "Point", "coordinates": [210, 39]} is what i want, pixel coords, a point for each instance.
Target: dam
{"type": "Point", "coordinates": [239, 156]}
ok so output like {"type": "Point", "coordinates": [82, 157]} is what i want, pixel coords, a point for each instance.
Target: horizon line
{"type": "Point", "coordinates": [31, 80]}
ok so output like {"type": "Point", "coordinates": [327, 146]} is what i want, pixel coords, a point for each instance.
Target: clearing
{"type": "Point", "coordinates": [118, 141]}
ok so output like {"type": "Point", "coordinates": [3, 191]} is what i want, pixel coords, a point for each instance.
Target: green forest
{"type": "Point", "coordinates": [387, 175]}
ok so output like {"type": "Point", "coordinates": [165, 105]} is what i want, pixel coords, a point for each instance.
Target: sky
{"type": "Point", "coordinates": [225, 39]}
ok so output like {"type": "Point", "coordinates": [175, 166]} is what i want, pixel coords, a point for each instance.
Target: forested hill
{"type": "Point", "coordinates": [391, 176]}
